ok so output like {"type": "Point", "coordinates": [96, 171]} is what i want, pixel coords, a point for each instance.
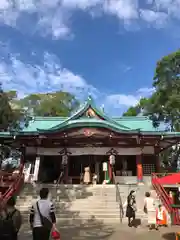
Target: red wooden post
{"type": "Point", "coordinates": [139, 168]}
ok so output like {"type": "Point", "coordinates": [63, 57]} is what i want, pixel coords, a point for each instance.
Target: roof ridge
{"type": "Point", "coordinates": [132, 117]}
{"type": "Point", "coordinates": [89, 104]}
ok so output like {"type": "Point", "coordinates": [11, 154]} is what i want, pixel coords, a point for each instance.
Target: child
{"type": "Point", "coordinates": [161, 216]}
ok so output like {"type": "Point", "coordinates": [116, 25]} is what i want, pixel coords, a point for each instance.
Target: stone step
{"type": "Point", "coordinates": [64, 218]}
{"type": "Point", "coordinates": [80, 220]}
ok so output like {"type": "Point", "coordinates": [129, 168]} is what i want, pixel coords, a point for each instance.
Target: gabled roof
{"type": "Point", "coordinates": [88, 115]}
{"type": "Point", "coordinates": [80, 119]}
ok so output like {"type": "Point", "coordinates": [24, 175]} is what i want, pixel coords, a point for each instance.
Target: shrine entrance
{"type": "Point", "coordinates": [77, 165]}
{"type": "Point", "coordinates": [50, 168]}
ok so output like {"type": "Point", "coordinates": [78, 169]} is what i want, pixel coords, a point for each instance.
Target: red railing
{"type": "Point", "coordinates": [10, 184]}
{"type": "Point", "coordinates": [164, 197]}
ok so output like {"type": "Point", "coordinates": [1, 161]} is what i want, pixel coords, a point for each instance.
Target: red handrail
{"type": "Point", "coordinates": [14, 186]}
{"type": "Point", "coordinates": [165, 198]}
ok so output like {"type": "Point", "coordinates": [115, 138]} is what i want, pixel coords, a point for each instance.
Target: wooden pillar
{"type": "Point", "coordinates": [64, 163]}
{"type": "Point", "coordinates": [158, 164]}
{"type": "Point", "coordinates": [67, 172]}
{"type": "Point", "coordinates": [139, 168]}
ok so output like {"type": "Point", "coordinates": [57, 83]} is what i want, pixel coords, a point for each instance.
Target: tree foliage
{"type": "Point", "coordinates": [14, 112]}
{"type": "Point", "coordinates": [140, 108]}
{"type": "Point", "coordinates": [10, 116]}
{"type": "Point", "coordinates": [51, 104]}
{"type": "Point", "coordinates": [164, 104]}
{"type": "Point", "coordinates": [6, 113]}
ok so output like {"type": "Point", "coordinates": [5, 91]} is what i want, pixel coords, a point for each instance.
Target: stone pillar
{"type": "Point", "coordinates": [36, 169]}
{"type": "Point", "coordinates": [139, 168]}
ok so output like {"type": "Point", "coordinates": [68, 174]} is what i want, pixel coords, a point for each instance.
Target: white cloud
{"type": "Point", "coordinates": [145, 92]}
{"type": "Point", "coordinates": [159, 19]}
{"type": "Point", "coordinates": [52, 76]}
{"type": "Point", "coordinates": [81, 4]}
{"type": "Point", "coordinates": [171, 7]}
{"type": "Point", "coordinates": [119, 100]}
{"type": "Point", "coordinates": [54, 17]}
{"type": "Point", "coordinates": [124, 10]}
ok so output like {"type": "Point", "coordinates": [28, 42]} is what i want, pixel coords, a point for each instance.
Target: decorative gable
{"type": "Point", "coordinates": [90, 113]}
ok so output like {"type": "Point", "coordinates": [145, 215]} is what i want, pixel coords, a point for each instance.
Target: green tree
{"type": "Point", "coordinates": [51, 104]}
{"type": "Point", "coordinates": [141, 108]}
{"type": "Point", "coordinates": [164, 104]}
{"type": "Point", "coordinates": [10, 117]}
{"type": "Point", "coordinates": [6, 114]}
{"type": "Point", "coordinates": [167, 86]}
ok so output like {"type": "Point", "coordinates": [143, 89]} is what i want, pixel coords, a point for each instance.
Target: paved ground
{"type": "Point", "coordinates": [96, 230]}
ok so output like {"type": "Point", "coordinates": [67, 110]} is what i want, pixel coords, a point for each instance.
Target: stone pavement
{"type": "Point", "coordinates": [96, 230]}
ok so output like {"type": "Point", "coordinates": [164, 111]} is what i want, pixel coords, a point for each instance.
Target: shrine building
{"type": "Point", "coordinates": [89, 138]}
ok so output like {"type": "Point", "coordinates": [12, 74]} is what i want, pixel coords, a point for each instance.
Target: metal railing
{"type": "Point", "coordinates": [118, 198]}
{"type": "Point", "coordinates": [61, 175]}
{"type": "Point", "coordinates": [12, 184]}
{"type": "Point", "coordinates": [164, 197]}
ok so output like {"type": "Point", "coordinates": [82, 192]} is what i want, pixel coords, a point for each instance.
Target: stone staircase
{"type": "Point", "coordinates": [83, 203]}
{"type": "Point", "coordinates": [140, 195]}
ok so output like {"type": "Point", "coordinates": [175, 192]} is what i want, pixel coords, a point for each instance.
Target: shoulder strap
{"type": "Point", "coordinates": [10, 215]}
{"type": "Point", "coordinates": [40, 215]}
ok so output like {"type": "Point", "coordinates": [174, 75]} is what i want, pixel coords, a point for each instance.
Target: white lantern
{"type": "Point", "coordinates": [112, 159]}
{"type": "Point", "coordinates": [105, 166]}
{"type": "Point", "coordinates": [64, 160]}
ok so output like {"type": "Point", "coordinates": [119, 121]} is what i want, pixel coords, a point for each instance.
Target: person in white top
{"type": "Point", "coordinates": [42, 209]}
{"type": "Point", "coordinates": [150, 210]}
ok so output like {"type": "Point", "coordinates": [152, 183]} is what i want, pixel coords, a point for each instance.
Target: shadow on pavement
{"type": "Point", "coordinates": [169, 236]}
{"type": "Point", "coordinates": [90, 229]}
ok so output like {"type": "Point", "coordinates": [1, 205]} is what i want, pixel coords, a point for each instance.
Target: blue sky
{"type": "Point", "coordinates": [106, 48]}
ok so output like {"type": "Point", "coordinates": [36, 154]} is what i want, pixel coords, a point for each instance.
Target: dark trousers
{"type": "Point", "coordinates": [14, 237]}
{"type": "Point", "coordinates": [41, 233]}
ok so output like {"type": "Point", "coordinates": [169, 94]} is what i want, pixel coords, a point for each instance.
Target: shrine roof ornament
{"type": "Point", "coordinates": [88, 116]}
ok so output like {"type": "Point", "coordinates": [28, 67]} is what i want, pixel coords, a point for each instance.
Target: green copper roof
{"type": "Point", "coordinates": [40, 125]}
{"type": "Point", "coordinates": [143, 123]}
{"type": "Point", "coordinates": [86, 122]}
{"type": "Point", "coordinates": [79, 119]}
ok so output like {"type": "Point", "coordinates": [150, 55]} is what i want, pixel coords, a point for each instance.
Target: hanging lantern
{"type": "Point", "coordinates": [64, 160]}
{"type": "Point", "coordinates": [112, 159]}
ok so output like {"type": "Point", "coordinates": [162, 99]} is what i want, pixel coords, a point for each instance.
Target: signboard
{"type": "Point", "coordinates": [105, 166]}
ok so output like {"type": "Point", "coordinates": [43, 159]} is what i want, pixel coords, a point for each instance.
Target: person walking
{"type": "Point", "coordinates": [10, 221]}
{"type": "Point", "coordinates": [42, 217]}
{"type": "Point", "coordinates": [131, 208]}
{"type": "Point", "coordinates": [150, 210]}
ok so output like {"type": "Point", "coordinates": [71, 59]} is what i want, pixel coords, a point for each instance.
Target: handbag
{"type": "Point", "coordinates": [46, 223]}
{"type": "Point", "coordinates": [55, 235]}
{"type": "Point", "coordinates": [145, 210]}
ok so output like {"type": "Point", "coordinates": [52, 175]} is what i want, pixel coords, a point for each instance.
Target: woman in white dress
{"type": "Point", "coordinates": [150, 210]}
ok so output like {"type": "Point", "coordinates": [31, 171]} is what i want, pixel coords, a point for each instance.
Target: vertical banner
{"type": "Point", "coordinates": [106, 172]}
{"type": "Point", "coordinates": [36, 169]}
{"type": "Point", "coordinates": [139, 168]}
{"type": "Point", "coordinates": [26, 171]}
